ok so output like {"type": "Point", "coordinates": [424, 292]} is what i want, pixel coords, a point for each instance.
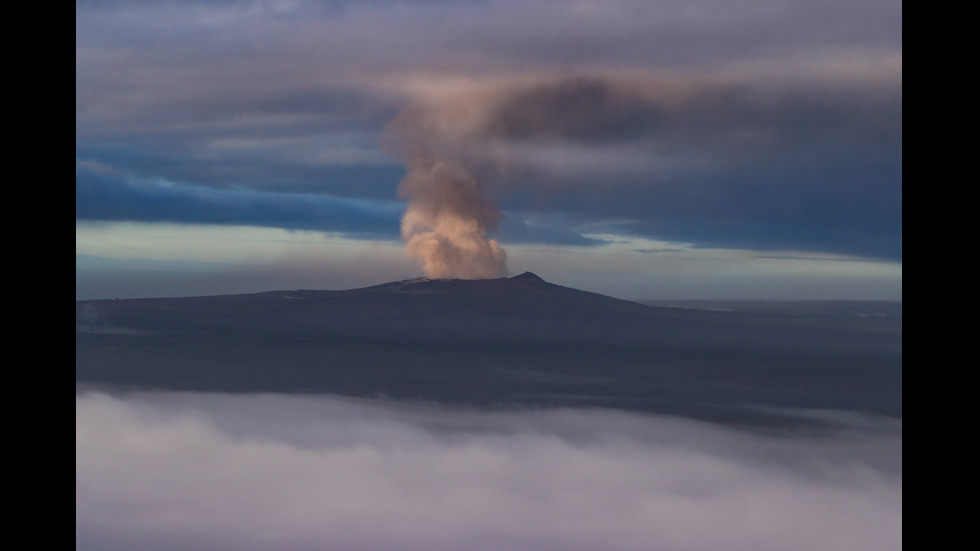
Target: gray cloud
{"type": "Point", "coordinates": [107, 195]}
{"type": "Point", "coordinates": [210, 471]}
{"type": "Point", "coordinates": [766, 126]}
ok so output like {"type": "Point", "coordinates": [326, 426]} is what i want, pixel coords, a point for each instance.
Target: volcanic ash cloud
{"type": "Point", "coordinates": [457, 145]}
{"type": "Point", "coordinates": [447, 221]}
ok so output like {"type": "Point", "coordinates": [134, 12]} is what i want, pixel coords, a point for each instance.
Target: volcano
{"type": "Point", "coordinates": [506, 342]}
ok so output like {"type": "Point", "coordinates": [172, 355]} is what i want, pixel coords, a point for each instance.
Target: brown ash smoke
{"type": "Point", "coordinates": [447, 221]}
{"type": "Point", "coordinates": [458, 144]}
{"type": "Point", "coordinates": [449, 217]}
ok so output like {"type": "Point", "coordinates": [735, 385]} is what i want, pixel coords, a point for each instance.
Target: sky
{"type": "Point", "coordinates": [198, 471]}
{"type": "Point", "coordinates": [643, 149]}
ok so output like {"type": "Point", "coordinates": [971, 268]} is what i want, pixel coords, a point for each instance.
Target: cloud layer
{"type": "Point", "coordinates": [212, 471]}
{"type": "Point", "coordinates": [773, 126]}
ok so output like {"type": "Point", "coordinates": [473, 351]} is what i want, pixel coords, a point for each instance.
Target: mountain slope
{"type": "Point", "coordinates": [518, 297]}
{"type": "Point", "coordinates": [507, 341]}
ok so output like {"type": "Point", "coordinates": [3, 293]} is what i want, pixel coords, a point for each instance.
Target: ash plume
{"type": "Point", "coordinates": [449, 216]}
{"type": "Point", "coordinates": [468, 143]}
{"type": "Point", "coordinates": [456, 146]}
{"type": "Point", "coordinates": [447, 221]}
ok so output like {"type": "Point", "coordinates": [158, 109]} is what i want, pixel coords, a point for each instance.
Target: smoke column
{"type": "Point", "coordinates": [449, 214]}
{"type": "Point", "coordinates": [454, 145]}
{"type": "Point", "coordinates": [447, 220]}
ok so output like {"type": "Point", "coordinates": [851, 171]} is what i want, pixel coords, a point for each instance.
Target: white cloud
{"type": "Point", "coordinates": [213, 471]}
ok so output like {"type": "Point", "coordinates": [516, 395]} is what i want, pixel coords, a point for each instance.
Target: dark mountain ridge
{"type": "Point", "coordinates": [506, 341]}
{"type": "Point", "coordinates": [522, 295]}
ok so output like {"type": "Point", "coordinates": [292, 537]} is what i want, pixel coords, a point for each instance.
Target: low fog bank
{"type": "Point", "coordinates": [167, 470]}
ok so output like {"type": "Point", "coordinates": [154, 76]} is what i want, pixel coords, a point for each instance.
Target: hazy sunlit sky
{"type": "Point", "coordinates": [642, 149]}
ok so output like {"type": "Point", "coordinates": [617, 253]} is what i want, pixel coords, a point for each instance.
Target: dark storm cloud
{"type": "Point", "coordinates": [824, 209]}
{"type": "Point", "coordinates": [554, 229]}
{"type": "Point", "coordinates": [763, 126]}
{"type": "Point", "coordinates": [211, 471]}
{"type": "Point", "coordinates": [104, 195]}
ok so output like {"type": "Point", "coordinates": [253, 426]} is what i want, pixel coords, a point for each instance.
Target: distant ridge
{"type": "Point", "coordinates": [526, 276]}
{"type": "Point", "coordinates": [524, 297]}
{"type": "Point", "coordinates": [508, 341]}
